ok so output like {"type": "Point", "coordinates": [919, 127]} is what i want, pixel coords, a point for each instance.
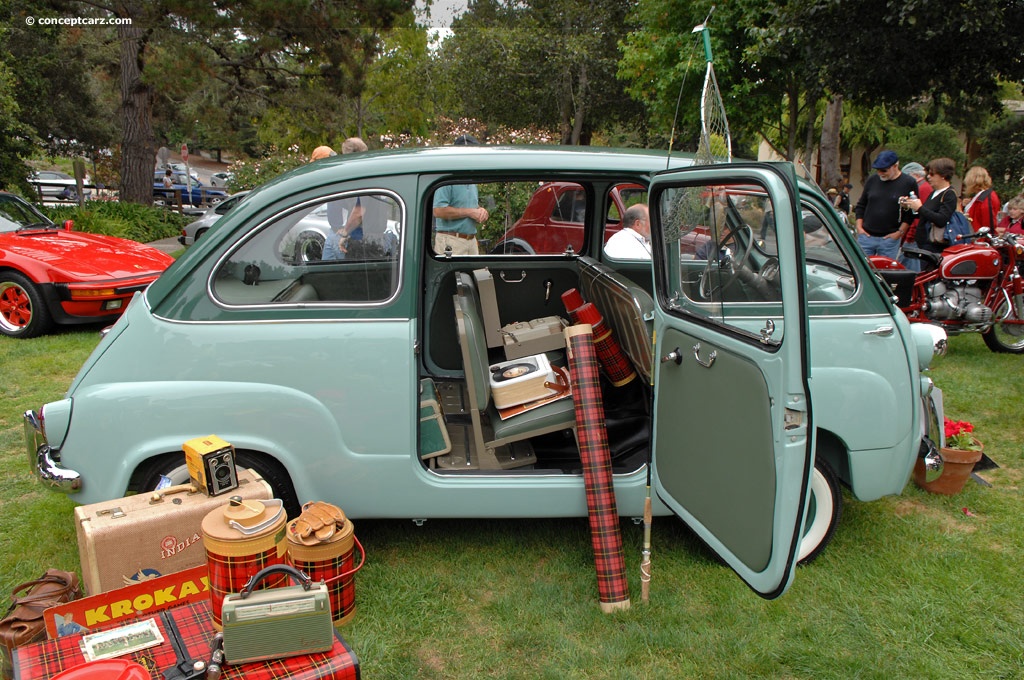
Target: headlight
{"type": "Point", "coordinates": [930, 340]}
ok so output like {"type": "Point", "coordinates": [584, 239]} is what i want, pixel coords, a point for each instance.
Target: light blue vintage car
{"type": "Point", "coordinates": [771, 365]}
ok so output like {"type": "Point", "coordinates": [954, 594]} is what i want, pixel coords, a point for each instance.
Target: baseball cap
{"type": "Point", "coordinates": [886, 159]}
{"type": "Point", "coordinates": [321, 152]}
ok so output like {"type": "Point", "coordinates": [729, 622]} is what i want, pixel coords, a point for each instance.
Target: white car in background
{"type": "Point", "coordinates": [53, 184]}
{"type": "Point", "coordinates": [221, 179]}
{"type": "Point", "coordinates": [308, 235]}
{"type": "Point", "coordinates": [195, 229]}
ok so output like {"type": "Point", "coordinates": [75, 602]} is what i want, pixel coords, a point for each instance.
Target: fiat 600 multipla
{"type": "Point", "coordinates": [769, 364]}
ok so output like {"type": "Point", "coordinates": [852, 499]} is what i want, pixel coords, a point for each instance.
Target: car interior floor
{"type": "Point", "coordinates": [627, 421]}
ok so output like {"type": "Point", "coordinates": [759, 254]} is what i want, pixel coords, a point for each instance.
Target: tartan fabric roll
{"type": "Point", "coordinates": [613, 590]}
{"type": "Point", "coordinates": [609, 353]}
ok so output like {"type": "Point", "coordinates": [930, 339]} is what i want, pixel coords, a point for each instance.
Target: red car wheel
{"type": "Point", "coordinates": [23, 313]}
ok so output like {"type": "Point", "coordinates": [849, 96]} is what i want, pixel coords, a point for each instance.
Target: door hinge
{"type": "Point", "coordinates": [793, 419]}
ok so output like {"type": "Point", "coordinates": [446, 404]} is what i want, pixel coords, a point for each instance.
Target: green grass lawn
{"type": "Point", "coordinates": [915, 586]}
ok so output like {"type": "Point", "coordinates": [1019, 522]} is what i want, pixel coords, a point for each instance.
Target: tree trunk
{"type": "Point", "coordinates": [831, 172]}
{"type": "Point", "coordinates": [794, 119]}
{"type": "Point", "coordinates": [581, 105]}
{"type": "Point", "coordinates": [137, 142]}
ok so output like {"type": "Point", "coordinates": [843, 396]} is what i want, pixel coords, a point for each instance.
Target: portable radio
{"type": "Point", "coordinates": [211, 464]}
{"type": "Point", "coordinates": [278, 622]}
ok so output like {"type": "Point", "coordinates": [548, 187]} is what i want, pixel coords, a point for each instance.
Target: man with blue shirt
{"type": "Point", "coordinates": [457, 211]}
{"type": "Point", "coordinates": [881, 221]}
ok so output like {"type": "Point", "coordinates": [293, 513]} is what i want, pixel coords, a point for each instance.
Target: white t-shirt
{"type": "Point", "coordinates": [628, 244]}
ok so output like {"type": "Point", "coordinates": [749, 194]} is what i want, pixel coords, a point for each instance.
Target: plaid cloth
{"type": "Point", "coordinates": [229, 574]}
{"type": "Point", "coordinates": [46, 659]}
{"type": "Point", "coordinates": [342, 590]}
{"type": "Point", "coordinates": [597, 468]}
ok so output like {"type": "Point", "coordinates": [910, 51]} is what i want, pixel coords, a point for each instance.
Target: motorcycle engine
{"type": "Point", "coordinates": [961, 301]}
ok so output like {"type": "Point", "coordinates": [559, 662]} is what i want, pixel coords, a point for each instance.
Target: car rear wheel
{"type": "Point", "coordinates": [198, 235]}
{"type": "Point", "coordinates": [309, 247]}
{"type": "Point", "coordinates": [172, 466]}
{"type": "Point", "coordinates": [23, 313]}
{"type": "Point", "coordinates": [1005, 337]}
{"type": "Point", "coordinates": [823, 513]}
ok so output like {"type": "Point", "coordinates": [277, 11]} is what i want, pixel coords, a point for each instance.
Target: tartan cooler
{"type": "Point", "coordinates": [332, 561]}
{"type": "Point", "coordinates": [241, 538]}
{"type": "Point", "coordinates": [187, 631]}
{"type": "Point", "coordinates": [127, 540]}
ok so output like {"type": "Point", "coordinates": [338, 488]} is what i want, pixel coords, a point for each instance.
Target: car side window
{"type": "Point", "coordinates": [521, 217]}
{"type": "Point", "coordinates": [343, 250]}
{"type": "Point", "coordinates": [715, 265]}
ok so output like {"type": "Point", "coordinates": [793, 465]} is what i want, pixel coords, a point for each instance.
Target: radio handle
{"type": "Point", "coordinates": [297, 576]}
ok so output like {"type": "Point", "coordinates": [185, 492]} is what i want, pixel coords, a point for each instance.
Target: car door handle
{"type": "Point", "coordinates": [711, 357]}
{"type": "Point", "coordinates": [884, 331]}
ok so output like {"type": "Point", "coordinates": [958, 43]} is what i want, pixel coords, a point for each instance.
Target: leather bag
{"type": "Point", "coordinates": [23, 622]}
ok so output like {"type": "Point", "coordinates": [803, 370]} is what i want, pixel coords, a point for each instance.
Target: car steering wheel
{"type": "Point", "coordinates": [729, 265]}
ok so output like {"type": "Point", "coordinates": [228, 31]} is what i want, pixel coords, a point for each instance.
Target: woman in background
{"type": "Point", "coordinates": [940, 206]}
{"type": "Point", "coordinates": [983, 206]}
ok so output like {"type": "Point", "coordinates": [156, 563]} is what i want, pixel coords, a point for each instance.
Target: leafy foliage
{"type": "Point", "coordinates": [126, 220]}
{"type": "Point", "coordinates": [925, 141]}
{"type": "Point", "coordinates": [556, 57]}
{"type": "Point", "coordinates": [1003, 155]}
{"type": "Point", "coordinates": [250, 173]}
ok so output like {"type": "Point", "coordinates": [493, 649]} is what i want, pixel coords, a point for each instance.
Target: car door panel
{"type": "Point", "coordinates": [732, 432]}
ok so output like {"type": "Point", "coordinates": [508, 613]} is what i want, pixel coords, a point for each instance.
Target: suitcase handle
{"type": "Point", "coordinates": [297, 576]}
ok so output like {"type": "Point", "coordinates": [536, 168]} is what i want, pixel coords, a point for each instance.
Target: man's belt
{"type": "Point", "coordinates": [458, 234]}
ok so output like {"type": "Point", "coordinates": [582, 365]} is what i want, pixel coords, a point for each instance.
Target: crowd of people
{"type": "Point", "coordinates": [913, 205]}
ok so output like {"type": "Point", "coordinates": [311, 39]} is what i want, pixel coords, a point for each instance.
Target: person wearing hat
{"type": "Point", "coordinates": [322, 152]}
{"type": "Point", "coordinates": [457, 211]}
{"type": "Point", "coordinates": [881, 221]}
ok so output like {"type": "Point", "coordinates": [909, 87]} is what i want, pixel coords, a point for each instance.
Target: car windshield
{"type": "Point", "coordinates": [16, 214]}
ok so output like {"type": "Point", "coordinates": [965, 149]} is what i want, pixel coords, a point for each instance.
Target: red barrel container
{"type": "Point", "coordinates": [241, 538]}
{"type": "Point", "coordinates": [333, 562]}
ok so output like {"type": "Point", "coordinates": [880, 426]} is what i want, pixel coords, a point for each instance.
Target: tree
{"type": "Point", "coordinates": [778, 60]}
{"type": "Point", "coordinates": [261, 50]}
{"type": "Point", "coordinates": [540, 62]}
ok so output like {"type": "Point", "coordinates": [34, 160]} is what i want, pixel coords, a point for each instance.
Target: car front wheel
{"type": "Point", "coordinates": [826, 506]}
{"type": "Point", "coordinates": [23, 313]}
{"type": "Point", "coordinates": [172, 466]}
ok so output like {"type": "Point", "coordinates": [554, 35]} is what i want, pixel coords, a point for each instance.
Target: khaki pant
{"type": "Point", "coordinates": [459, 246]}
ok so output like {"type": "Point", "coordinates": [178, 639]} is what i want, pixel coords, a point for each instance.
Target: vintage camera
{"type": "Point", "coordinates": [211, 464]}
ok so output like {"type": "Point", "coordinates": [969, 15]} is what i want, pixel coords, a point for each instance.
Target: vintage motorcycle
{"type": "Point", "coordinates": [976, 286]}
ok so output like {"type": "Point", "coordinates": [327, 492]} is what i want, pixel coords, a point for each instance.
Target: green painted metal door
{"type": "Point", "coordinates": [733, 448]}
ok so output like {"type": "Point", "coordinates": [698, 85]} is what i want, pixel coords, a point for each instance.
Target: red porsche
{"type": "Point", "coordinates": [50, 274]}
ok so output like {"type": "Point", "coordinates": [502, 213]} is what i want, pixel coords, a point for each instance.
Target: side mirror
{"type": "Point", "coordinates": [69, 225]}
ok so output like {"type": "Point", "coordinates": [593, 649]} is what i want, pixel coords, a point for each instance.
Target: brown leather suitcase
{"type": "Point", "coordinates": [132, 539]}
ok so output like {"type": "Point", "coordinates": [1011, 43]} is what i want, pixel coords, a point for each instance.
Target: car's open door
{"type": "Point", "coordinates": [733, 449]}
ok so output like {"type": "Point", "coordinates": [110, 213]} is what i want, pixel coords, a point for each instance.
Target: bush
{"type": "Point", "coordinates": [126, 220]}
{"type": "Point", "coordinates": [249, 173]}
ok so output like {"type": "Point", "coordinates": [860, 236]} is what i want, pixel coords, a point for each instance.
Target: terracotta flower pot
{"type": "Point", "coordinates": [956, 470]}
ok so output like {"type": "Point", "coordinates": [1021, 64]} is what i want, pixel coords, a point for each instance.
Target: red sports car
{"type": "Point", "coordinates": [51, 274]}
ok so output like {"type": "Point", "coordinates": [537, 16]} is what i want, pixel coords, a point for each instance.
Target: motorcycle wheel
{"type": "Point", "coordinates": [1005, 337]}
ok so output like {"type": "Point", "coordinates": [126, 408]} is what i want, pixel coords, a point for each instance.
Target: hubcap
{"type": "Point", "coordinates": [15, 307]}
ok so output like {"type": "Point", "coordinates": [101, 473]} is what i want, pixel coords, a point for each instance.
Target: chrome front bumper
{"type": "Point", "coordinates": [44, 460]}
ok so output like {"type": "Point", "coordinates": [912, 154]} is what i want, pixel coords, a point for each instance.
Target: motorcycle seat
{"type": "Point", "coordinates": [928, 256]}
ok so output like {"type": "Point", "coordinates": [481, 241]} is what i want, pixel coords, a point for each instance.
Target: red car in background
{"type": "Point", "coordinates": [553, 219]}
{"type": "Point", "coordinates": [51, 274]}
